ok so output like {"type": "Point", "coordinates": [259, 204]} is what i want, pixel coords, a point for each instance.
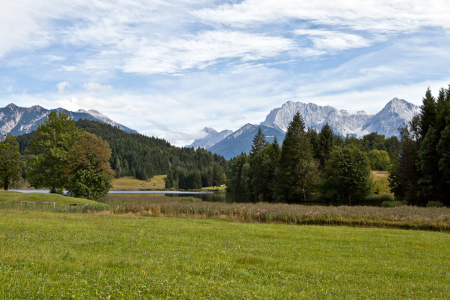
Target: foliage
{"type": "Point", "coordinates": [435, 204]}
{"type": "Point", "coordinates": [297, 172]}
{"type": "Point", "coordinates": [325, 144]}
{"type": "Point", "coordinates": [142, 157]}
{"type": "Point", "coordinates": [347, 175]}
{"type": "Point", "coordinates": [11, 162]}
{"type": "Point", "coordinates": [49, 146]}
{"type": "Point", "coordinates": [87, 168]}
{"type": "Point", "coordinates": [379, 160]}
{"type": "Point", "coordinates": [259, 143]}
{"type": "Point", "coordinates": [262, 171]}
{"type": "Point", "coordinates": [390, 203]}
{"type": "Point", "coordinates": [379, 198]}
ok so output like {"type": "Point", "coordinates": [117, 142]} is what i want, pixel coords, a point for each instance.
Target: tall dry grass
{"type": "Point", "coordinates": [406, 217]}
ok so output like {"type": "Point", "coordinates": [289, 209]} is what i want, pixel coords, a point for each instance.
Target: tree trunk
{"type": "Point", "coordinates": [5, 187]}
{"type": "Point", "coordinates": [88, 196]}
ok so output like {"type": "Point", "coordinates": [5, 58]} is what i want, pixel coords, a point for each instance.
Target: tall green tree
{"type": "Point", "coordinates": [53, 139]}
{"type": "Point", "coordinates": [262, 171]}
{"type": "Point", "coordinates": [379, 160]}
{"type": "Point", "coordinates": [87, 167]}
{"type": "Point", "coordinates": [326, 143]}
{"type": "Point", "coordinates": [347, 175]}
{"type": "Point", "coordinates": [427, 114]}
{"type": "Point", "coordinates": [11, 162]}
{"type": "Point", "coordinates": [217, 175]}
{"type": "Point", "coordinates": [296, 165]}
{"type": "Point", "coordinates": [259, 143]}
{"type": "Point", "coordinates": [443, 149]}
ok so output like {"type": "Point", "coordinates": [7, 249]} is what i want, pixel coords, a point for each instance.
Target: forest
{"type": "Point", "coordinates": [338, 168]}
{"type": "Point", "coordinates": [142, 157]}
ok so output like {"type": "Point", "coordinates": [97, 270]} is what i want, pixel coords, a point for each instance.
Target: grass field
{"type": "Point", "coordinates": [215, 188]}
{"type": "Point", "coordinates": [132, 184]}
{"type": "Point", "coordinates": [73, 256]}
{"type": "Point", "coordinates": [8, 196]}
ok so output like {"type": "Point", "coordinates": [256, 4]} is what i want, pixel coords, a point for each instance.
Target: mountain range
{"type": "Point", "coordinates": [20, 120]}
{"type": "Point", "coordinates": [386, 122]}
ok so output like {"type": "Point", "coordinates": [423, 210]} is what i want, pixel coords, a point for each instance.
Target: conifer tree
{"type": "Point", "coordinates": [427, 114]}
{"type": "Point", "coordinates": [259, 143]}
{"type": "Point", "coordinates": [325, 145]}
{"type": "Point", "coordinates": [297, 172]}
{"type": "Point", "coordinates": [11, 162]}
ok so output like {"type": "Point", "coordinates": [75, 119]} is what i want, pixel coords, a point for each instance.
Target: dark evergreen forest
{"type": "Point", "coordinates": [142, 157]}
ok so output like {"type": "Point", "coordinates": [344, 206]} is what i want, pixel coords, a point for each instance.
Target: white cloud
{"type": "Point", "coordinates": [333, 40]}
{"type": "Point", "coordinates": [236, 118]}
{"type": "Point", "coordinates": [93, 86]}
{"type": "Point", "coordinates": [177, 136]}
{"type": "Point", "coordinates": [83, 102]}
{"type": "Point", "coordinates": [374, 15]}
{"type": "Point", "coordinates": [51, 57]}
{"type": "Point", "coordinates": [204, 49]}
{"type": "Point", "coordinates": [62, 86]}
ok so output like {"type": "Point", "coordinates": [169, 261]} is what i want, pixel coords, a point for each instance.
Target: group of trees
{"type": "Point", "coordinates": [422, 171]}
{"type": "Point", "coordinates": [60, 156]}
{"type": "Point", "coordinates": [140, 156]}
{"type": "Point", "coordinates": [307, 161]}
{"type": "Point", "coordinates": [210, 176]}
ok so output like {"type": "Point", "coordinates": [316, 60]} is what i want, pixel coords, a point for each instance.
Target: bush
{"type": "Point", "coordinates": [379, 198]}
{"type": "Point", "coordinates": [435, 204]}
{"type": "Point", "coordinates": [392, 203]}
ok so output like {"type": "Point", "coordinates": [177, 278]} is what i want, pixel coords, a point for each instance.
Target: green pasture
{"type": "Point", "coordinates": [95, 256]}
{"type": "Point", "coordinates": [9, 196]}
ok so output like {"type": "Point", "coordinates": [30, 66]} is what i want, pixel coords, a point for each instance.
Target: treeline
{"type": "Point", "coordinates": [306, 163]}
{"type": "Point", "coordinates": [142, 157]}
{"type": "Point", "coordinates": [422, 172]}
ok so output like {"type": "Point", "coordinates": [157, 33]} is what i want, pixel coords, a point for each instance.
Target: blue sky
{"type": "Point", "coordinates": [171, 68]}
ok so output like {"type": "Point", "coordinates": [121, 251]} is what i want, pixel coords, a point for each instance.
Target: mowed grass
{"type": "Point", "coordinates": [9, 196]}
{"type": "Point", "coordinates": [84, 256]}
{"type": "Point", "coordinates": [132, 184]}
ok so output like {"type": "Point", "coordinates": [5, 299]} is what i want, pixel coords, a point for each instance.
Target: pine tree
{"type": "Point", "coordinates": [325, 145]}
{"type": "Point", "coordinates": [259, 143]}
{"type": "Point", "coordinates": [427, 114]}
{"type": "Point", "coordinates": [11, 162]}
{"type": "Point", "coordinates": [296, 172]}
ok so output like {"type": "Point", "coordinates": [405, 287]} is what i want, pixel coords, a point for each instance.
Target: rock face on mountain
{"type": "Point", "coordinates": [391, 117]}
{"type": "Point", "coordinates": [21, 120]}
{"type": "Point", "coordinates": [242, 140]}
{"type": "Point", "coordinates": [385, 122]}
{"type": "Point", "coordinates": [212, 138]}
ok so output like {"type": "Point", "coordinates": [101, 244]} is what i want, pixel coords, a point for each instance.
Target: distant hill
{"type": "Point", "coordinates": [21, 120]}
{"type": "Point", "coordinates": [242, 140]}
{"type": "Point", "coordinates": [212, 137]}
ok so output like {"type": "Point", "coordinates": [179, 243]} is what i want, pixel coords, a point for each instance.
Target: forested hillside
{"type": "Point", "coordinates": [142, 157]}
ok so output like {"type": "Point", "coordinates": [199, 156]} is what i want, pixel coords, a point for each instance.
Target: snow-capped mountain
{"type": "Point", "coordinates": [242, 139]}
{"type": "Point", "coordinates": [20, 120]}
{"type": "Point", "coordinates": [211, 138]}
{"type": "Point", "coordinates": [386, 122]}
{"type": "Point", "coordinates": [391, 117]}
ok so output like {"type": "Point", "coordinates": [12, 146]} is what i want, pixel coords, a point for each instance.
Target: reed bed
{"type": "Point", "coordinates": [404, 217]}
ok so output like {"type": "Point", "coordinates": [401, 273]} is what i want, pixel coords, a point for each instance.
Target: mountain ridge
{"type": "Point", "coordinates": [20, 120]}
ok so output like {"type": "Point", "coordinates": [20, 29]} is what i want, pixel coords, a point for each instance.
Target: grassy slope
{"type": "Point", "coordinates": [56, 256]}
{"type": "Point", "coordinates": [8, 196]}
{"type": "Point", "coordinates": [132, 184]}
{"type": "Point", "coordinates": [381, 183]}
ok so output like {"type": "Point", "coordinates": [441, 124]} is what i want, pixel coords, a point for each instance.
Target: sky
{"type": "Point", "coordinates": [169, 68]}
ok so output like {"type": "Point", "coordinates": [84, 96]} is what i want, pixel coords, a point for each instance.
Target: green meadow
{"type": "Point", "coordinates": [99, 256]}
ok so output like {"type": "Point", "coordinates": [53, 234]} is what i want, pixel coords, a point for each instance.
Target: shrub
{"type": "Point", "coordinates": [392, 203]}
{"type": "Point", "coordinates": [435, 204]}
{"type": "Point", "coordinates": [379, 198]}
